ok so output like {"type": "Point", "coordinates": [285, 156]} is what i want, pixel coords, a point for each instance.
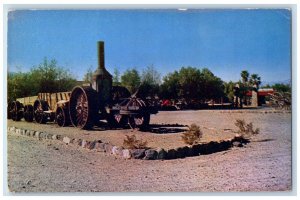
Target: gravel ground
{"type": "Point", "coordinates": [51, 166]}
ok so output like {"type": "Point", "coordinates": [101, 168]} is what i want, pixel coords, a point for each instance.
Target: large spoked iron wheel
{"type": "Point", "coordinates": [28, 113]}
{"type": "Point", "coordinates": [15, 111]}
{"type": "Point", "coordinates": [62, 117]}
{"type": "Point", "coordinates": [139, 121]}
{"type": "Point", "coordinates": [39, 107]}
{"type": "Point", "coordinates": [83, 107]}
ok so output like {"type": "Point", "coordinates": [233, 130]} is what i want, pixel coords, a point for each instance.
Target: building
{"type": "Point", "coordinates": [263, 96]}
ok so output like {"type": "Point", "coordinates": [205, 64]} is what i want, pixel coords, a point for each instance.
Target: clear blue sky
{"type": "Point", "coordinates": [225, 41]}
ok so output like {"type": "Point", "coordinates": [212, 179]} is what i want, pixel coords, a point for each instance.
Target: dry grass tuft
{"type": "Point", "coordinates": [193, 135]}
{"type": "Point", "coordinates": [132, 143]}
{"type": "Point", "coordinates": [246, 130]}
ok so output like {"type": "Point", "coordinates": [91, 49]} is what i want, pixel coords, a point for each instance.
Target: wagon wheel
{"type": "Point", "coordinates": [15, 111]}
{"type": "Point", "coordinates": [83, 107]}
{"type": "Point", "coordinates": [139, 121]}
{"type": "Point", "coordinates": [62, 116]}
{"type": "Point", "coordinates": [28, 113]}
{"type": "Point", "coordinates": [39, 107]}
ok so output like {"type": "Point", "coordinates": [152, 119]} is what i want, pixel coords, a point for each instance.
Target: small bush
{"type": "Point", "coordinates": [132, 143]}
{"type": "Point", "coordinates": [193, 135]}
{"type": "Point", "coordinates": [246, 130]}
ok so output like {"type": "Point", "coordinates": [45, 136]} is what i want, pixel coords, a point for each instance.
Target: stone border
{"type": "Point", "coordinates": [256, 111]}
{"type": "Point", "coordinates": [145, 154]}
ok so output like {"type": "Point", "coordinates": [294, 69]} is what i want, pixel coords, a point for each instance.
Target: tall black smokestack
{"type": "Point", "coordinates": [101, 62]}
{"type": "Point", "coordinates": [102, 79]}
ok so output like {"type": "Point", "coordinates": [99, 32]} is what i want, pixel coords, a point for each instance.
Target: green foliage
{"type": "Point", "coordinates": [192, 83]}
{"type": "Point", "coordinates": [88, 77]}
{"type": "Point", "coordinates": [150, 82]}
{"type": "Point", "coordinates": [132, 143]}
{"type": "Point", "coordinates": [193, 135]}
{"type": "Point", "coordinates": [228, 90]}
{"type": "Point", "coordinates": [245, 76]}
{"type": "Point", "coordinates": [170, 87]}
{"type": "Point", "coordinates": [246, 130]}
{"type": "Point", "coordinates": [46, 77]}
{"type": "Point", "coordinates": [255, 80]}
{"type": "Point", "coordinates": [280, 87]}
{"type": "Point", "coordinates": [116, 77]}
{"type": "Point", "coordinates": [131, 80]}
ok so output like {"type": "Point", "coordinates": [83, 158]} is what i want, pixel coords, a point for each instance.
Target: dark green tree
{"type": "Point", "coordinates": [88, 77]}
{"type": "Point", "coordinates": [245, 76]}
{"type": "Point", "coordinates": [116, 77]}
{"type": "Point", "coordinates": [170, 87]}
{"type": "Point", "coordinates": [150, 81]}
{"type": "Point", "coordinates": [131, 80]}
{"type": "Point", "coordinates": [192, 83]}
{"type": "Point", "coordinates": [255, 80]}
{"type": "Point", "coordinates": [228, 90]}
{"type": "Point", "coordinates": [45, 77]}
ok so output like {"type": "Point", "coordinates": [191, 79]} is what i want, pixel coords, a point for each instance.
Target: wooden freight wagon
{"type": "Point", "coordinates": [44, 107]}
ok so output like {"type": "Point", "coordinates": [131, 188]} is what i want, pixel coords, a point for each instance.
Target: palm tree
{"type": "Point", "coordinates": [245, 76]}
{"type": "Point", "coordinates": [255, 80]}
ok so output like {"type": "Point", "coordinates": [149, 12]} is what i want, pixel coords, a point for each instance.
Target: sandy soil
{"type": "Point", "coordinates": [51, 166]}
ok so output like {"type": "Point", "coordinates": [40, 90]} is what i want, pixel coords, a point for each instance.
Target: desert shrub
{"type": "Point", "coordinates": [132, 143]}
{"type": "Point", "coordinates": [246, 130]}
{"type": "Point", "coordinates": [193, 135]}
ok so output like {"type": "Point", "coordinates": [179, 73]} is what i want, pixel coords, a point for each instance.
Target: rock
{"type": "Point", "coordinates": [83, 143]}
{"type": "Point", "coordinates": [18, 131]}
{"type": "Point", "coordinates": [224, 145]}
{"type": "Point", "coordinates": [117, 151]}
{"type": "Point", "coordinates": [196, 148]}
{"type": "Point", "coordinates": [43, 135]}
{"type": "Point", "coordinates": [23, 132]}
{"type": "Point", "coordinates": [150, 154]}
{"type": "Point", "coordinates": [137, 153]}
{"type": "Point", "coordinates": [49, 136]}
{"type": "Point", "coordinates": [37, 134]}
{"type": "Point", "coordinates": [108, 148]}
{"type": "Point", "coordinates": [212, 147]}
{"type": "Point", "coordinates": [237, 144]}
{"type": "Point", "coordinates": [12, 128]}
{"type": "Point", "coordinates": [126, 153]}
{"type": "Point", "coordinates": [87, 144]}
{"type": "Point", "coordinates": [32, 133]}
{"type": "Point", "coordinates": [190, 152]}
{"type": "Point", "coordinates": [59, 137]}
{"type": "Point", "coordinates": [161, 154]}
{"type": "Point", "coordinates": [171, 154]}
{"type": "Point", "coordinates": [180, 153]}
{"type": "Point", "coordinates": [54, 137]}
{"type": "Point", "coordinates": [92, 144]}
{"type": "Point", "coordinates": [99, 146]}
{"type": "Point", "coordinates": [66, 140]}
{"type": "Point", "coordinates": [77, 142]}
{"type": "Point", "coordinates": [27, 132]}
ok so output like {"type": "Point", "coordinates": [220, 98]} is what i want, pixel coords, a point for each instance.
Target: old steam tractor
{"type": "Point", "coordinates": [85, 106]}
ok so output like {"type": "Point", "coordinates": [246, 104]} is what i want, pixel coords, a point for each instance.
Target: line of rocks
{"type": "Point", "coordinates": [146, 154]}
{"type": "Point", "coordinates": [256, 111]}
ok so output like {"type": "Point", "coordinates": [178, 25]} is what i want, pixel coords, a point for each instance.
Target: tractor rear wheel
{"type": "Point", "coordinates": [83, 107]}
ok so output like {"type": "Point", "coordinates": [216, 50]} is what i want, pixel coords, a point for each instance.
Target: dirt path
{"type": "Point", "coordinates": [263, 165]}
